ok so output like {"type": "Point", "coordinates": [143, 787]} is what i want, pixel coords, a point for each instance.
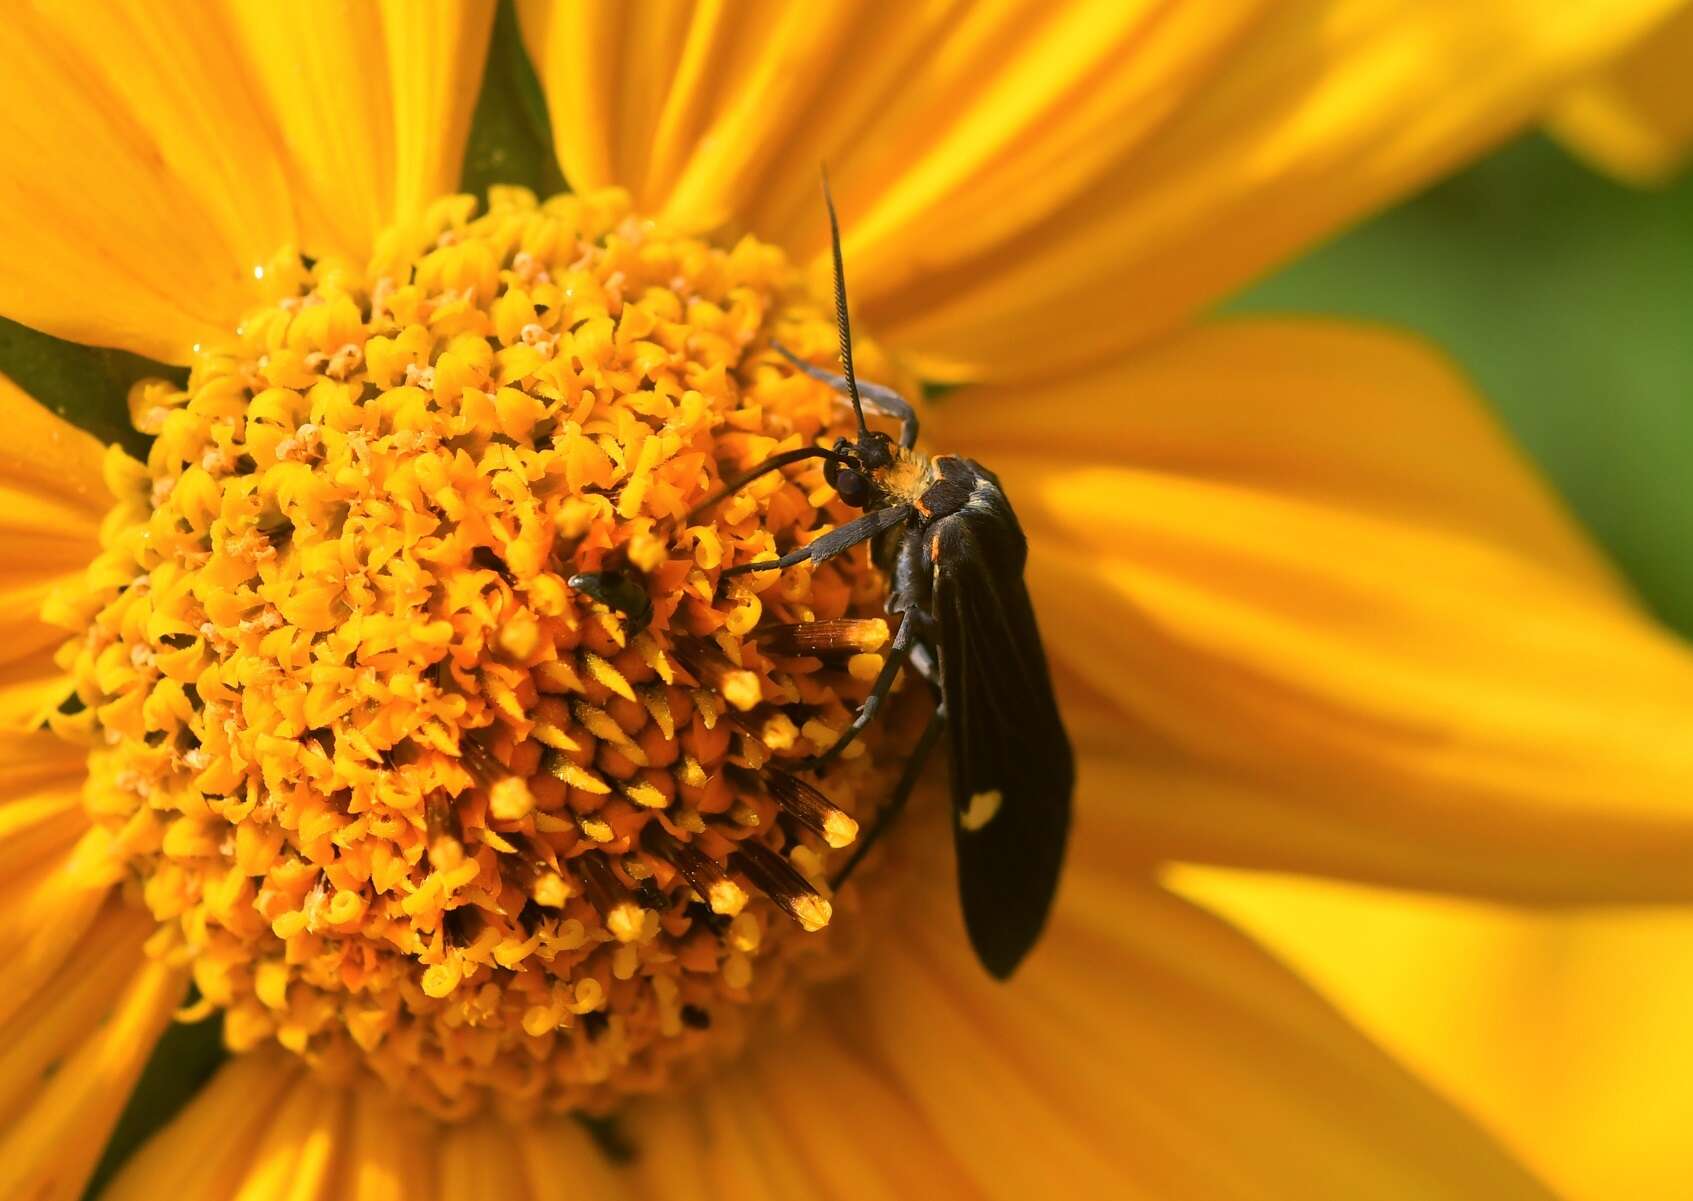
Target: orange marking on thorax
{"type": "Point", "coordinates": [907, 478]}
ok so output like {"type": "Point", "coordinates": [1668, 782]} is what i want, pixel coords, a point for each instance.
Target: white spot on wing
{"type": "Point", "coordinates": [981, 810]}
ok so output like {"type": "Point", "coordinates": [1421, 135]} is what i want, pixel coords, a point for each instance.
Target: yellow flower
{"type": "Point", "coordinates": [1634, 118]}
{"type": "Point", "coordinates": [345, 728]}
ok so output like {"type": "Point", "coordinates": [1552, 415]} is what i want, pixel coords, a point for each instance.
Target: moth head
{"type": "Point", "coordinates": [852, 470]}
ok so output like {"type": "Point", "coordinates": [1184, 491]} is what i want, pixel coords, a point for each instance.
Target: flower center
{"type": "Point", "coordinates": [396, 790]}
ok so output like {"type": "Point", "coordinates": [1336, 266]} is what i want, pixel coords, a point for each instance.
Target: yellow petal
{"type": "Point", "coordinates": [1324, 112]}
{"type": "Point", "coordinates": [1564, 1031]}
{"type": "Point", "coordinates": [41, 815]}
{"type": "Point", "coordinates": [1297, 560]}
{"type": "Point", "coordinates": [1144, 1050]}
{"type": "Point", "coordinates": [1635, 118]}
{"type": "Point", "coordinates": [152, 156]}
{"type": "Point", "coordinates": [810, 1116]}
{"type": "Point", "coordinates": [669, 98]}
{"type": "Point", "coordinates": [72, 1049]}
{"type": "Point", "coordinates": [82, 1003]}
{"type": "Point", "coordinates": [137, 183]}
{"type": "Point", "coordinates": [51, 879]}
{"type": "Point", "coordinates": [51, 501]}
{"type": "Point", "coordinates": [712, 111]}
{"type": "Point", "coordinates": [1027, 184]}
{"type": "Point", "coordinates": [373, 102]}
{"type": "Point", "coordinates": [208, 1151]}
{"type": "Point", "coordinates": [267, 1129]}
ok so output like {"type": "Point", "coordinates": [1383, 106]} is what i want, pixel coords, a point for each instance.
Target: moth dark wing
{"type": "Point", "coordinates": [1012, 769]}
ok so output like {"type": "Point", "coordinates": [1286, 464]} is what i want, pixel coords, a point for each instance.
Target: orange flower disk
{"type": "Point", "coordinates": [393, 789]}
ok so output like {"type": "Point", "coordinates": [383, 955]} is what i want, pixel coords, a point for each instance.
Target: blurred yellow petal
{"type": "Point", "coordinates": [1027, 185]}
{"type": "Point", "coordinates": [51, 503]}
{"type": "Point", "coordinates": [208, 1150]}
{"type": "Point", "coordinates": [1564, 1031]}
{"type": "Point", "coordinates": [682, 103]}
{"type": "Point", "coordinates": [266, 1128]}
{"type": "Point", "coordinates": [152, 156]}
{"type": "Point", "coordinates": [83, 1004]}
{"type": "Point", "coordinates": [806, 1116]}
{"type": "Point", "coordinates": [51, 883]}
{"type": "Point", "coordinates": [1140, 1038]}
{"type": "Point", "coordinates": [710, 112]}
{"type": "Point", "coordinates": [1145, 1050]}
{"type": "Point", "coordinates": [72, 1051]}
{"type": "Point", "coordinates": [1299, 558]}
{"type": "Point", "coordinates": [1635, 118]}
{"type": "Point", "coordinates": [138, 186]}
{"type": "Point", "coordinates": [1327, 111]}
{"type": "Point", "coordinates": [742, 1138]}
{"type": "Point", "coordinates": [373, 102]}
{"type": "Point", "coordinates": [41, 817]}
{"type": "Point", "coordinates": [436, 53]}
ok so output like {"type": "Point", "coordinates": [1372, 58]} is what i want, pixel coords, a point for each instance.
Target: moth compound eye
{"type": "Point", "coordinates": [853, 487]}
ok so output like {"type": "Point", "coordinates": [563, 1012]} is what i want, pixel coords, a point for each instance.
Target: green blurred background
{"type": "Point", "coordinates": [1569, 300]}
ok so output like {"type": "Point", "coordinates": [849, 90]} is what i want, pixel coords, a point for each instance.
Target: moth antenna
{"type": "Point", "coordinates": [841, 318]}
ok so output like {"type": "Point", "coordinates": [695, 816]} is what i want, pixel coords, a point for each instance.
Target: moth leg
{"type": "Point", "coordinates": [886, 816]}
{"type": "Point", "coordinates": [898, 649]}
{"type": "Point", "coordinates": [876, 398]}
{"type": "Point", "coordinates": [787, 560]}
{"type": "Point", "coordinates": [922, 661]}
{"type": "Point", "coordinates": [774, 462]}
{"type": "Point", "coordinates": [836, 541]}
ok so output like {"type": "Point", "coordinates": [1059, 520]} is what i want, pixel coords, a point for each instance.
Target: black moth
{"type": "Point", "coordinates": [955, 553]}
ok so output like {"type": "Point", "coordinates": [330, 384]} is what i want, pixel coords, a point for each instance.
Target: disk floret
{"type": "Point", "coordinates": [398, 794]}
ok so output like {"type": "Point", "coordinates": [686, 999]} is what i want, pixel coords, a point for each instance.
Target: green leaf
{"type": "Point", "coordinates": [1569, 300]}
{"type": "Point", "coordinates": [180, 1065]}
{"type": "Point", "coordinates": [511, 140]}
{"type": "Point", "coordinates": [86, 385]}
